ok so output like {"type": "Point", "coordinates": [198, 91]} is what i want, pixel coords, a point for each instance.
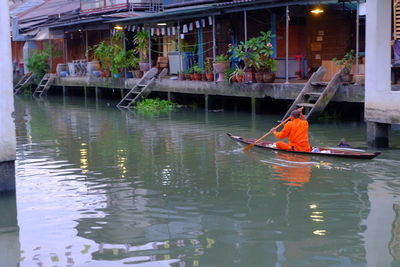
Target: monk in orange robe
{"type": "Point", "coordinates": [296, 130]}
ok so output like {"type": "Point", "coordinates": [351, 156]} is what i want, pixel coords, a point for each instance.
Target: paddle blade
{"type": "Point", "coordinates": [248, 147]}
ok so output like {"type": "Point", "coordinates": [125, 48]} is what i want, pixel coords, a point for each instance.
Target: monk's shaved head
{"type": "Point", "coordinates": [295, 114]}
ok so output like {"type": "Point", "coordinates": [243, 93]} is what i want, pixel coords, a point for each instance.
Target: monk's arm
{"type": "Point", "coordinates": [285, 131]}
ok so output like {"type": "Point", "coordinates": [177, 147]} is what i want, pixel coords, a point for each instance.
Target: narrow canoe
{"type": "Point", "coordinates": [331, 152]}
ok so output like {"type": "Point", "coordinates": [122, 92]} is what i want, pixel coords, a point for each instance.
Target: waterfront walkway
{"type": "Point", "coordinates": [279, 90]}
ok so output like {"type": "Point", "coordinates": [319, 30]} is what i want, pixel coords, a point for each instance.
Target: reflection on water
{"type": "Point", "coordinates": [101, 187]}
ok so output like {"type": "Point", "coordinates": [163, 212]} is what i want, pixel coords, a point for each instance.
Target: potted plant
{"type": "Point", "coordinates": [237, 75]}
{"type": "Point", "coordinates": [39, 62]}
{"type": "Point", "coordinates": [188, 74]}
{"type": "Point", "coordinates": [103, 53]}
{"type": "Point", "coordinates": [270, 66]}
{"type": "Point", "coordinates": [141, 40]}
{"type": "Point", "coordinates": [346, 62]}
{"type": "Point", "coordinates": [197, 72]}
{"type": "Point", "coordinates": [132, 64]}
{"type": "Point", "coordinates": [208, 70]}
{"type": "Point", "coordinates": [243, 53]}
{"type": "Point", "coordinates": [228, 74]}
{"type": "Point", "coordinates": [221, 63]}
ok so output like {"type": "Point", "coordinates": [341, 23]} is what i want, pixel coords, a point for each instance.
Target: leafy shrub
{"type": "Point", "coordinates": [155, 106]}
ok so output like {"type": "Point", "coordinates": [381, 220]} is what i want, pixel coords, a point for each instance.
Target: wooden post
{"type": "Point", "coordinates": [287, 46]}
{"type": "Point", "coordinates": [149, 35]}
{"type": "Point", "coordinates": [253, 106]}
{"type": "Point", "coordinates": [245, 25]}
{"type": "Point", "coordinates": [214, 44]}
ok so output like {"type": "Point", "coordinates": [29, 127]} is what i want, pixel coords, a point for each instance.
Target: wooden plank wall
{"type": "Point", "coordinates": [331, 34]}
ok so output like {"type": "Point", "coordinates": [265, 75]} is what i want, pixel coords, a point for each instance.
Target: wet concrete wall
{"type": "Point", "coordinates": [381, 101]}
{"type": "Point", "coordinates": [346, 93]}
{"type": "Point", "coordinates": [7, 129]}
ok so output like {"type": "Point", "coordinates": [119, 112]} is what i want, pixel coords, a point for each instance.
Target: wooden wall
{"type": "Point", "coordinates": [17, 48]}
{"type": "Point", "coordinates": [331, 34]}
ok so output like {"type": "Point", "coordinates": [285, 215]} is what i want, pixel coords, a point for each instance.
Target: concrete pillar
{"type": "Point", "coordinates": [9, 231]}
{"type": "Point", "coordinates": [381, 103]}
{"type": "Point", "coordinates": [377, 134]}
{"type": "Point", "coordinates": [206, 102]}
{"type": "Point", "coordinates": [7, 129]}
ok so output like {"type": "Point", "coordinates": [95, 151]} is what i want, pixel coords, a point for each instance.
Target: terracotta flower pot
{"type": "Point", "coordinates": [220, 68]}
{"type": "Point", "coordinates": [248, 77]}
{"type": "Point", "coordinates": [105, 73]}
{"type": "Point", "coordinates": [239, 78]}
{"type": "Point", "coordinates": [188, 76]}
{"type": "Point", "coordinates": [233, 79]}
{"type": "Point", "coordinates": [259, 77]}
{"type": "Point", "coordinates": [197, 76]}
{"type": "Point", "coordinates": [210, 76]}
{"type": "Point", "coordinates": [182, 76]}
{"type": "Point", "coordinates": [268, 77]}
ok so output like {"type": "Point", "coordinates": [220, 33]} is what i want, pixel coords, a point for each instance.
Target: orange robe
{"type": "Point", "coordinates": [297, 133]}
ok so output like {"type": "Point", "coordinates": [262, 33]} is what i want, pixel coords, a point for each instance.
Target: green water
{"type": "Point", "coordinates": [97, 186]}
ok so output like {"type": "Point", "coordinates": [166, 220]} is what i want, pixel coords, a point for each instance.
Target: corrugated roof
{"type": "Point", "coordinates": [24, 6]}
{"type": "Point", "coordinates": [52, 7]}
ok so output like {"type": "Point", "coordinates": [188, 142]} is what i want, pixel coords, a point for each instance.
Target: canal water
{"type": "Point", "coordinates": [97, 186]}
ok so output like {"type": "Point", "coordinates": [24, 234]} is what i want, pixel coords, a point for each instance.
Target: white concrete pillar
{"type": "Point", "coordinates": [381, 107]}
{"type": "Point", "coordinates": [381, 103]}
{"type": "Point", "coordinates": [7, 129]}
{"type": "Point", "coordinates": [378, 37]}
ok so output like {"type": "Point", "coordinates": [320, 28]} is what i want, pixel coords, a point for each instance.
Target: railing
{"type": "Point", "coordinates": [146, 5]}
{"type": "Point", "coordinates": [100, 6]}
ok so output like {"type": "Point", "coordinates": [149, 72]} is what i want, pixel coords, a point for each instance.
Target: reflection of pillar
{"type": "Point", "coordinates": [7, 129]}
{"type": "Point", "coordinates": [378, 235]}
{"type": "Point", "coordinates": [9, 232]}
{"type": "Point", "coordinates": [377, 134]}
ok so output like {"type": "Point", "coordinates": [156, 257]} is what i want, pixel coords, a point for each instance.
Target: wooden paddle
{"type": "Point", "coordinates": [265, 135]}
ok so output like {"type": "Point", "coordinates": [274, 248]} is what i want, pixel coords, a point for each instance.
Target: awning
{"type": "Point", "coordinates": [172, 14]}
{"type": "Point", "coordinates": [43, 34]}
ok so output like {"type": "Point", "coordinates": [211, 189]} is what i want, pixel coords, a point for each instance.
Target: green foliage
{"type": "Point", "coordinates": [238, 71]}
{"type": "Point", "coordinates": [103, 52]}
{"type": "Point", "coordinates": [208, 66]}
{"type": "Point", "coordinates": [256, 52]}
{"type": "Point", "coordinates": [113, 57]}
{"type": "Point", "coordinates": [132, 61]}
{"type": "Point", "coordinates": [141, 41]}
{"type": "Point", "coordinates": [154, 106]}
{"type": "Point", "coordinates": [347, 60]}
{"type": "Point", "coordinates": [222, 58]}
{"type": "Point", "coordinates": [38, 62]}
{"type": "Point", "coordinates": [197, 69]}
{"type": "Point", "coordinates": [228, 73]}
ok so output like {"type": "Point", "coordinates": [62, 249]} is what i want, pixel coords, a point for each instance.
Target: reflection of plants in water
{"type": "Point", "coordinates": [154, 106]}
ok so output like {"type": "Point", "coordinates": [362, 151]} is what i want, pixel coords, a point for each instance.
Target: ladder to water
{"type": "Point", "coordinates": [141, 89]}
{"type": "Point", "coordinates": [25, 80]}
{"type": "Point", "coordinates": [315, 95]}
{"type": "Point", "coordinates": [44, 84]}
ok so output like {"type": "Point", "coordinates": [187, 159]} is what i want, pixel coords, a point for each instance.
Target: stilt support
{"type": "Point", "coordinates": [377, 134]}
{"type": "Point", "coordinates": [7, 176]}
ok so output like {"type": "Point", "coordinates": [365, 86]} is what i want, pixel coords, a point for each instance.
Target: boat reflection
{"type": "Point", "coordinates": [294, 170]}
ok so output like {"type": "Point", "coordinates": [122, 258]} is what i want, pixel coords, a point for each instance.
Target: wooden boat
{"type": "Point", "coordinates": [331, 152]}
